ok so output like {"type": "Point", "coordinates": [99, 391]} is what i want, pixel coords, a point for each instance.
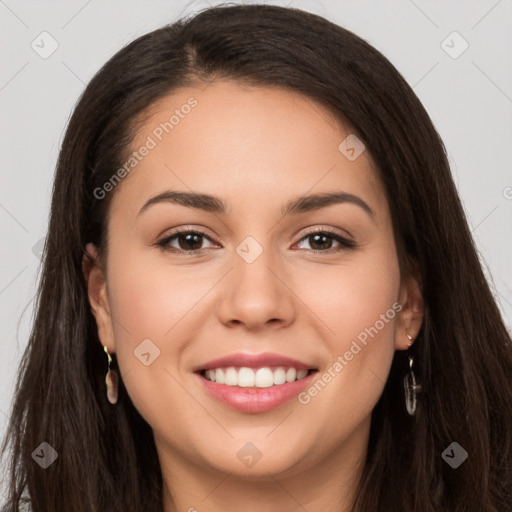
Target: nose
{"type": "Point", "coordinates": [256, 294]}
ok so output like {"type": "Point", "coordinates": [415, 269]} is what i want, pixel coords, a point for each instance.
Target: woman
{"type": "Point", "coordinates": [260, 291]}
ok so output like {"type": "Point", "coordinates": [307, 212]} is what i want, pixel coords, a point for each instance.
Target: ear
{"type": "Point", "coordinates": [95, 280]}
{"type": "Point", "coordinates": [412, 312]}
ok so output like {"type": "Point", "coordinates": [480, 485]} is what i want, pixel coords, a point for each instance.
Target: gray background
{"type": "Point", "coordinates": [468, 96]}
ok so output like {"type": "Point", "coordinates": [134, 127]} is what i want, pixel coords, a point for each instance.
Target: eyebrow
{"type": "Point", "coordinates": [298, 205]}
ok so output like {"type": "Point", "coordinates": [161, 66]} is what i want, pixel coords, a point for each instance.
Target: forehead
{"type": "Point", "coordinates": [244, 143]}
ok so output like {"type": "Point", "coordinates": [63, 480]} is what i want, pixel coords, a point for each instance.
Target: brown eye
{"type": "Point", "coordinates": [189, 241]}
{"type": "Point", "coordinates": [322, 241]}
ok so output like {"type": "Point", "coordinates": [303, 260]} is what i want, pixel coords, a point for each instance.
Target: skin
{"type": "Point", "coordinates": [256, 148]}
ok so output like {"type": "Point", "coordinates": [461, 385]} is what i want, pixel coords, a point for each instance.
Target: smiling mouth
{"type": "Point", "coordinates": [264, 377]}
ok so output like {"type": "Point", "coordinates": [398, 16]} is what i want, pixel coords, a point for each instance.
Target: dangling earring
{"type": "Point", "coordinates": [411, 388]}
{"type": "Point", "coordinates": [111, 381]}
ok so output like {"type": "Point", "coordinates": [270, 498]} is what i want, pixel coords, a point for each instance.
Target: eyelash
{"type": "Point", "coordinates": [345, 243]}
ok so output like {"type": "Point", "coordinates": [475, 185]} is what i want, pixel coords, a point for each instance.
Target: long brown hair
{"type": "Point", "coordinates": [463, 355]}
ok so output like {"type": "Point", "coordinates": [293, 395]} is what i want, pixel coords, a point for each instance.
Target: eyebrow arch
{"type": "Point", "coordinates": [317, 201]}
{"type": "Point", "coordinates": [298, 205]}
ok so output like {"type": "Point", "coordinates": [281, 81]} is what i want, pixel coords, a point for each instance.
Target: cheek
{"type": "Point", "coordinates": [350, 298]}
{"type": "Point", "coordinates": [148, 304]}
{"type": "Point", "coordinates": [149, 299]}
{"type": "Point", "coordinates": [357, 307]}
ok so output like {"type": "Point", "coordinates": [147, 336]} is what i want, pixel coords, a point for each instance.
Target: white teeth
{"type": "Point", "coordinates": [245, 377]}
{"type": "Point", "coordinates": [248, 377]}
{"type": "Point", "coordinates": [279, 376]}
{"type": "Point", "coordinates": [301, 374]}
{"type": "Point", "coordinates": [219, 376]}
{"type": "Point", "coordinates": [264, 378]}
{"type": "Point", "coordinates": [291, 373]}
{"type": "Point", "coordinates": [231, 377]}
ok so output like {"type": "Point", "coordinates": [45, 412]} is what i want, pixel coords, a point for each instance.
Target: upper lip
{"type": "Point", "coordinates": [253, 361]}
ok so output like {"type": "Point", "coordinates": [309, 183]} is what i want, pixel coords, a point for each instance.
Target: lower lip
{"type": "Point", "coordinates": [256, 399]}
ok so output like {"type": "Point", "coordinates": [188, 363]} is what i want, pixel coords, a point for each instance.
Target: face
{"type": "Point", "coordinates": [318, 283]}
